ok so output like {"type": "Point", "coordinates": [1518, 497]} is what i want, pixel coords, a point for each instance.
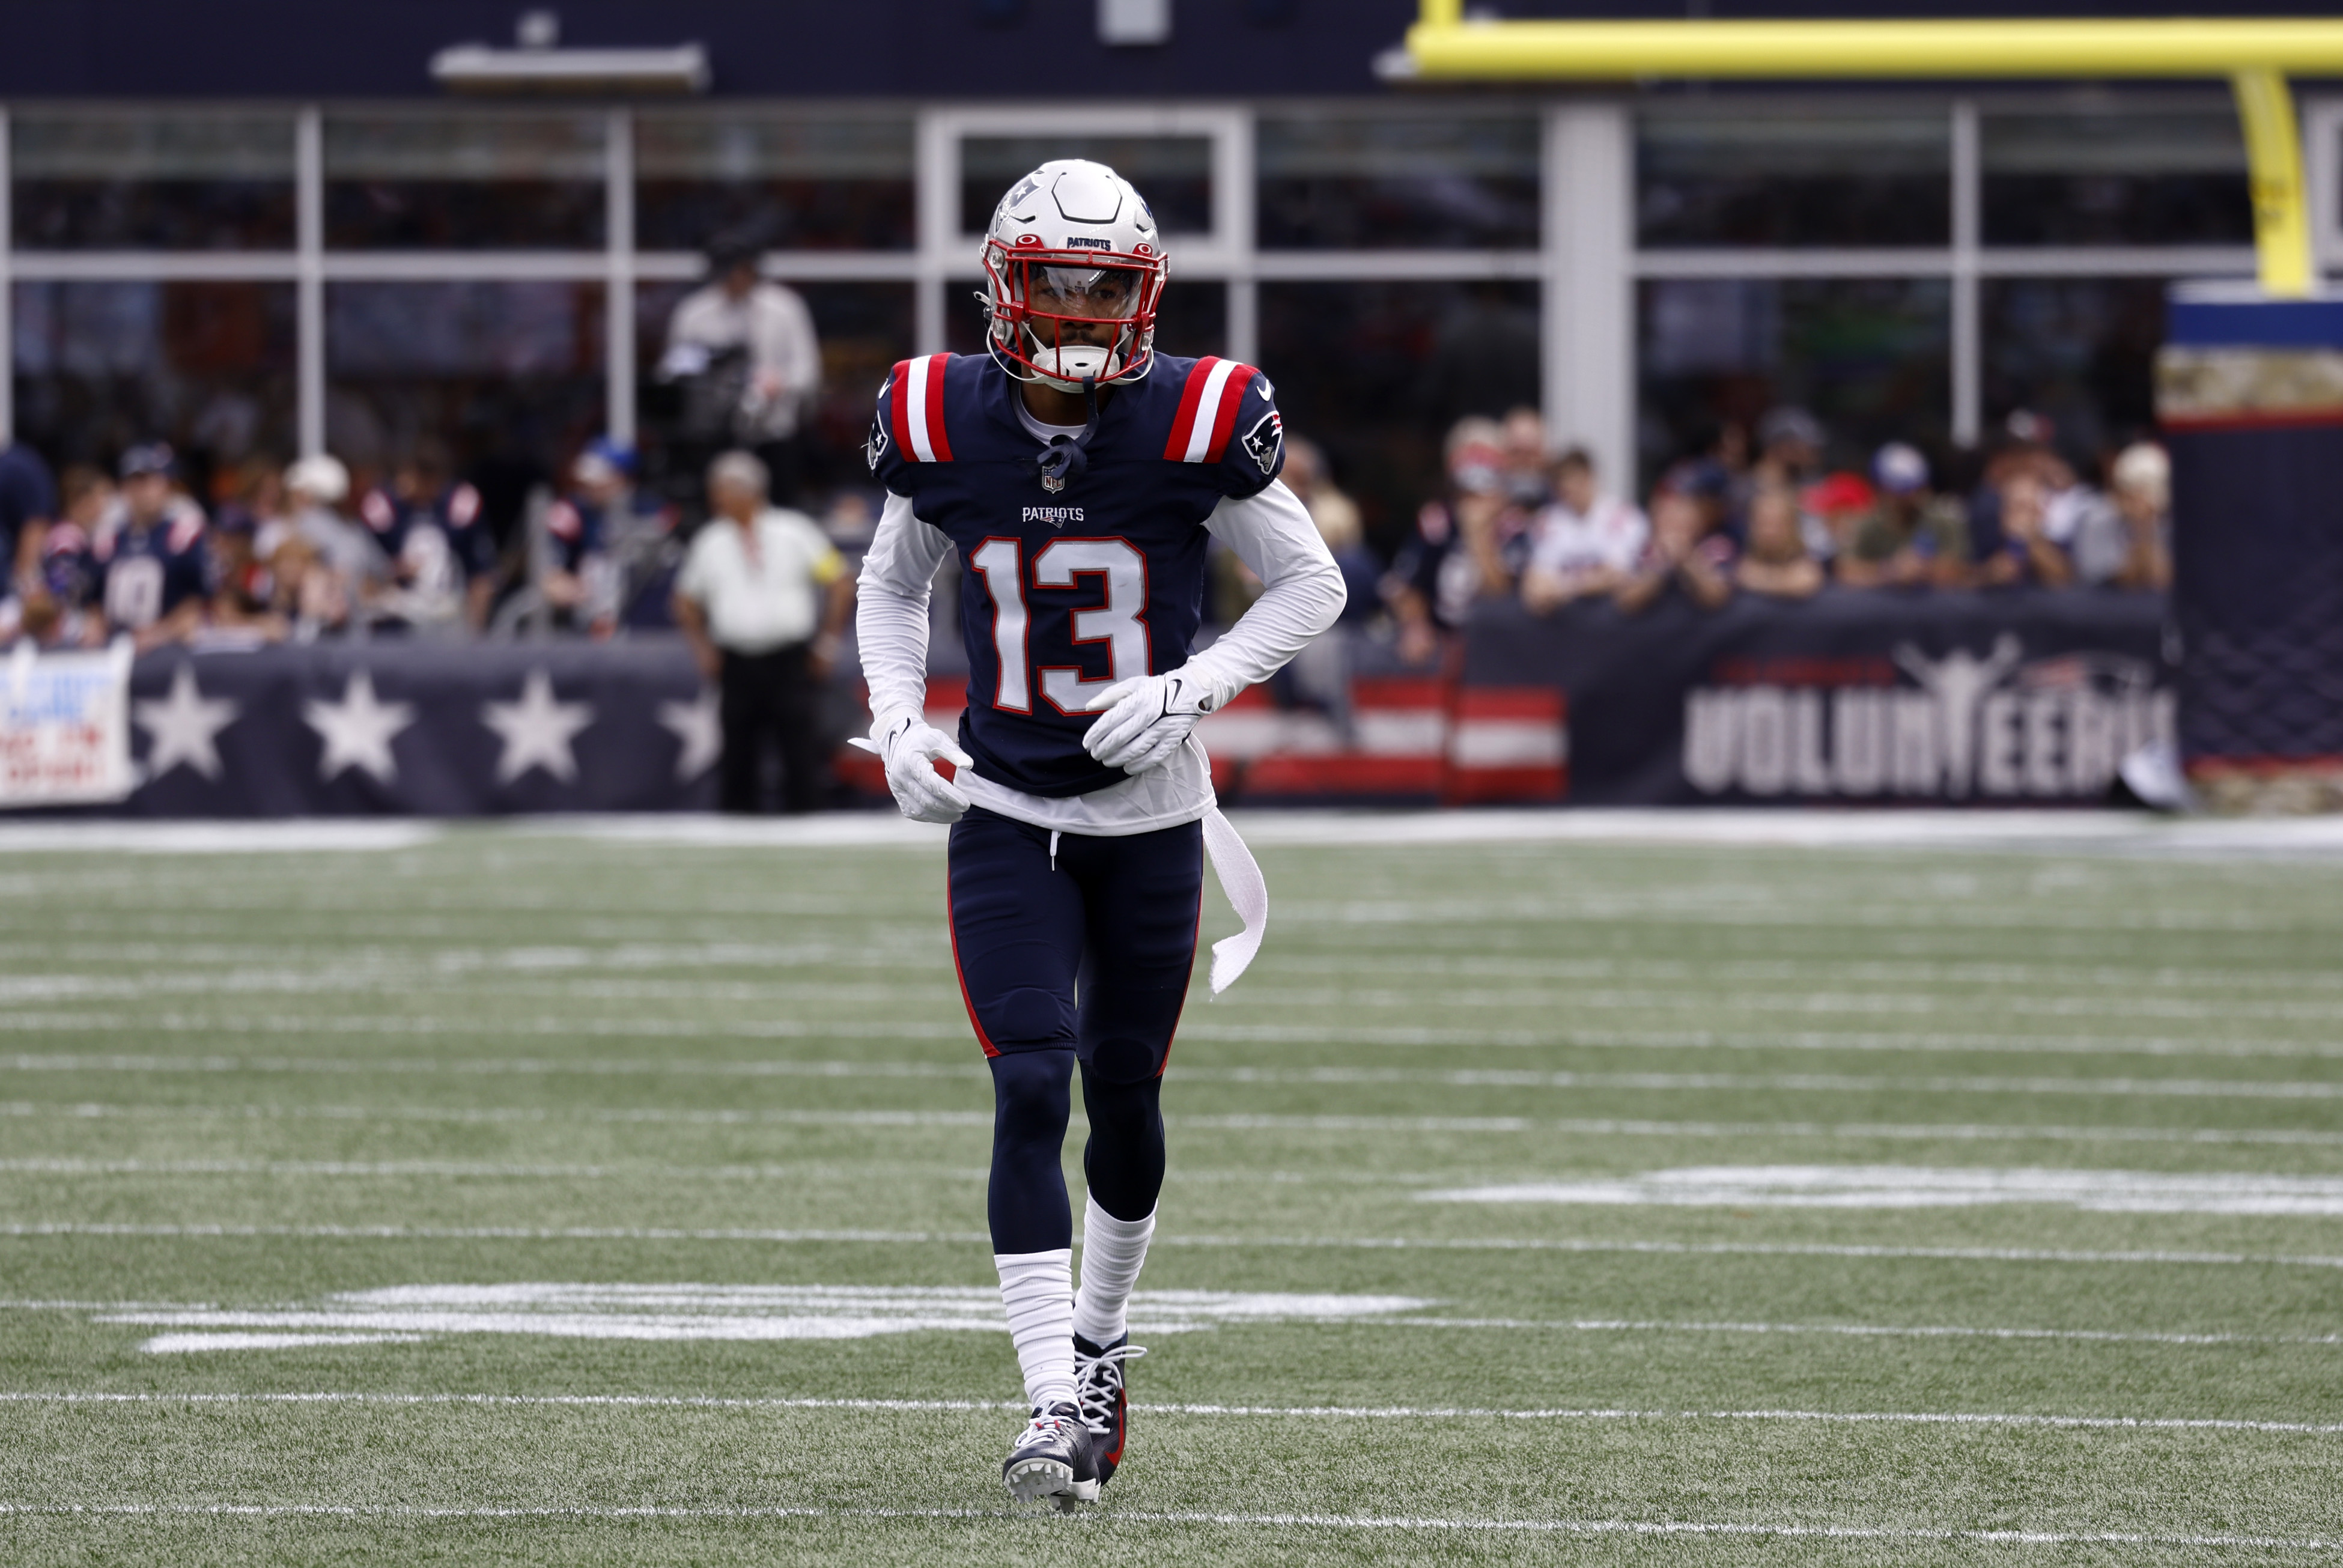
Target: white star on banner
{"type": "Point", "coordinates": [183, 725]}
{"type": "Point", "coordinates": [357, 730]}
{"type": "Point", "coordinates": [537, 730]}
{"type": "Point", "coordinates": [696, 725]}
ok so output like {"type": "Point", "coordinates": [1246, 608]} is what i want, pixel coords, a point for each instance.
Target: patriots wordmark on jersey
{"type": "Point", "coordinates": [1066, 591]}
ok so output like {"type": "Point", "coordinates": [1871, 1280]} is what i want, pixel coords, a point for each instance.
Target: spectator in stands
{"type": "Point", "coordinates": [579, 580]}
{"type": "Point", "coordinates": [2141, 479]}
{"type": "Point", "coordinates": [1776, 563]}
{"type": "Point", "coordinates": [1529, 476]}
{"type": "Point", "coordinates": [242, 611]}
{"type": "Point", "coordinates": [28, 505]}
{"type": "Point", "coordinates": [59, 607]}
{"type": "Point", "coordinates": [1913, 537]}
{"type": "Point", "coordinates": [1467, 545]}
{"type": "Point", "coordinates": [1585, 543]}
{"type": "Point", "coordinates": [153, 568]}
{"type": "Point", "coordinates": [762, 600]}
{"type": "Point", "coordinates": [328, 567]}
{"type": "Point", "coordinates": [1833, 511]}
{"type": "Point", "coordinates": [744, 349]}
{"type": "Point", "coordinates": [2026, 553]}
{"type": "Point", "coordinates": [1338, 520]}
{"type": "Point", "coordinates": [1684, 554]}
{"type": "Point", "coordinates": [1789, 448]}
{"type": "Point", "coordinates": [443, 560]}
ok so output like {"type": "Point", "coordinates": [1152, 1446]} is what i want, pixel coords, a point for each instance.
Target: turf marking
{"type": "Point", "coordinates": [697, 1312]}
{"type": "Point", "coordinates": [1979, 1419]}
{"type": "Point", "coordinates": [1930, 1186]}
{"type": "Point", "coordinates": [36, 1229]}
{"type": "Point", "coordinates": [690, 1312]}
{"type": "Point", "coordinates": [1317, 1522]}
{"type": "Point", "coordinates": [1678, 1082]}
{"type": "Point", "coordinates": [295, 837]}
{"type": "Point", "coordinates": [1858, 1131]}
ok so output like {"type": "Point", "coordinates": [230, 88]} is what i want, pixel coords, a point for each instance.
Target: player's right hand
{"type": "Point", "coordinates": [909, 747]}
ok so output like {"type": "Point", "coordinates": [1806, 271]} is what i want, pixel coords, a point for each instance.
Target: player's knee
{"type": "Point", "coordinates": [1124, 1061]}
{"type": "Point", "coordinates": [1020, 1018]}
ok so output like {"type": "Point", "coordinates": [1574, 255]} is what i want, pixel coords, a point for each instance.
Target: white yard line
{"type": "Point", "coordinates": [297, 836]}
{"type": "Point", "coordinates": [34, 1230]}
{"type": "Point", "coordinates": [1659, 1082]}
{"type": "Point", "coordinates": [1854, 1131]}
{"type": "Point", "coordinates": [1983, 1419]}
{"type": "Point", "coordinates": [457, 1169]}
{"type": "Point", "coordinates": [1111, 1515]}
{"type": "Point", "coordinates": [1550, 1325]}
{"type": "Point", "coordinates": [595, 1027]}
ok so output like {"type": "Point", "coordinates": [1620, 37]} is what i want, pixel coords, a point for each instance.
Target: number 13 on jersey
{"type": "Point", "coordinates": [1121, 622]}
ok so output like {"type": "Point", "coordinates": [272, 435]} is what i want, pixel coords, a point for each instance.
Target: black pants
{"type": "Point", "coordinates": [1082, 956]}
{"type": "Point", "coordinates": [771, 696]}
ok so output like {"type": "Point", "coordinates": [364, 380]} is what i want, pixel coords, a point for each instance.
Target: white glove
{"type": "Point", "coordinates": [909, 747]}
{"type": "Point", "coordinates": [1146, 720]}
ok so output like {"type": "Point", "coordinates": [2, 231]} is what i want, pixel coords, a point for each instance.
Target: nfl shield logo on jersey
{"type": "Point", "coordinates": [1263, 440]}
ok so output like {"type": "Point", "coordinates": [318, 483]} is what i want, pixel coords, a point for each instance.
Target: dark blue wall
{"type": "Point", "coordinates": [1022, 49]}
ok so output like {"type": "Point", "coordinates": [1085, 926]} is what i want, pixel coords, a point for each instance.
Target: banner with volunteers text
{"type": "Point", "coordinates": [2029, 697]}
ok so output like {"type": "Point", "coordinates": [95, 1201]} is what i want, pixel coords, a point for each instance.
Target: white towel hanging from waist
{"type": "Point", "coordinates": [1248, 894]}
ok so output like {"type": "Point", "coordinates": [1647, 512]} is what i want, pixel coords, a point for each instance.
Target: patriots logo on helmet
{"type": "Point", "coordinates": [1264, 438]}
{"type": "Point", "coordinates": [876, 446]}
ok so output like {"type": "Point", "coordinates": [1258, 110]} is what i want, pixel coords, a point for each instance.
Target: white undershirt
{"type": "Point", "coordinates": [1270, 532]}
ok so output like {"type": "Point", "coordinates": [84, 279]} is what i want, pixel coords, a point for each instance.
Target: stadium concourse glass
{"type": "Point", "coordinates": [103, 365]}
{"type": "Point", "coordinates": [195, 179]}
{"type": "Point", "coordinates": [838, 181]}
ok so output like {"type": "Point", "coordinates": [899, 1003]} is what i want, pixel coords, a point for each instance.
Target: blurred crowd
{"type": "Point", "coordinates": [1764, 517]}
{"type": "Point", "coordinates": [304, 552]}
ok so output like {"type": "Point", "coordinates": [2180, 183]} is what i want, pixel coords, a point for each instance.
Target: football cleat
{"type": "Point", "coordinates": [1105, 1407]}
{"type": "Point", "coordinates": [1053, 1459]}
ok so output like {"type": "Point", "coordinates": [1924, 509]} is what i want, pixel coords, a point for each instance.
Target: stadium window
{"type": "Point", "coordinates": [501, 372]}
{"type": "Point", "coordinates": [1376, 372]}
{"type": "Point", "coordinates": [864, 328]}
{"type": "Point", "coordinates": [2116, 175]}
{"type": "Point", "coordinates": [836, 182]}
{"type": "Point", "coordinates": [1747, 177]}
{"type": "Point", "coordinates": [150, 180]}
{"type": "Point", "coordinates": [1386, 179]}
{"type": "Point", "coordinates": [434, 180]}
{"type": "Point", "coordinates": [1175, 171]}
{"type": "Point", "coordinates": [2078, 351]}
{"type": "Point", "coordinates": [1870, 358]}
{"type": "Point", "coordinates": [101, 366]}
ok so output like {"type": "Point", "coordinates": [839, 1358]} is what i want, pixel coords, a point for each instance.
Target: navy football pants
{"type": "Point", "coordinates": [1085, 961]}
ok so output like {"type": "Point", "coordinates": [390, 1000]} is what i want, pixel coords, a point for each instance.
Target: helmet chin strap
{"type": "Point", "coordinates": [1066, 457]}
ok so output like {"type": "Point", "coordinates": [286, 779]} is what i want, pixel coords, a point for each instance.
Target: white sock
{"type": "Point", "coordinates": [1036, 1288]}
{"type": "Point", "coordinates": [1112, 1251]}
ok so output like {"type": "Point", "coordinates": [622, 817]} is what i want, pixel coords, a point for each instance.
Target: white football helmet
{"type": "Point", "coordinates": [1076, 266]}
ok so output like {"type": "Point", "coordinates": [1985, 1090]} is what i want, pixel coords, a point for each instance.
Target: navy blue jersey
{"type": "Point", "coordinates": [144, 574]}
{"type": "Point", "coordinates": [455, 513]}
{"type": "Point", "coordinates": [1064, 592]}
{"type": "Point", "coordinates": [573, 530]}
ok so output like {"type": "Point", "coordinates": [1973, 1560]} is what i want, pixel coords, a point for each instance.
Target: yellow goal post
{"type": "Point", "coordinates": [2255, 54]}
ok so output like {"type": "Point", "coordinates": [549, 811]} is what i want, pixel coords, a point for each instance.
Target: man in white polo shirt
{"type": "Point", "coordinates": [763, 598]}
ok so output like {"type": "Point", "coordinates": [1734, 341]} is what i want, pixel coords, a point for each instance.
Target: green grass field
{"type": "Point", "coordinates": [1863, 1205]}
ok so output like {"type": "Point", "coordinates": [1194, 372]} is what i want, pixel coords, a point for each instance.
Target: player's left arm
{"type": "Point", "coordinates": [1147, 719]}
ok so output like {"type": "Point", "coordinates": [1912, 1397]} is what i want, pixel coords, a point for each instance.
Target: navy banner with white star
{"type": "Point", "coordinates": [422, 729]}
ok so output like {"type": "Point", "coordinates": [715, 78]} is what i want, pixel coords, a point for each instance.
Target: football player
{"type": "Point", "coordinates": [1078, 476]}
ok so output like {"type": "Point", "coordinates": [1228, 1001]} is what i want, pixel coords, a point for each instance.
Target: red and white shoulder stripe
{"type": "Point", "coordinates": [1208, 410]}
{"type": "Point", "coordinates": [916, 410]}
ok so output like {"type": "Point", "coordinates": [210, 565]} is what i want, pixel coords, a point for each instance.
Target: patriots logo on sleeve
{"type": "Point", "coordinates": [1264, 438]}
